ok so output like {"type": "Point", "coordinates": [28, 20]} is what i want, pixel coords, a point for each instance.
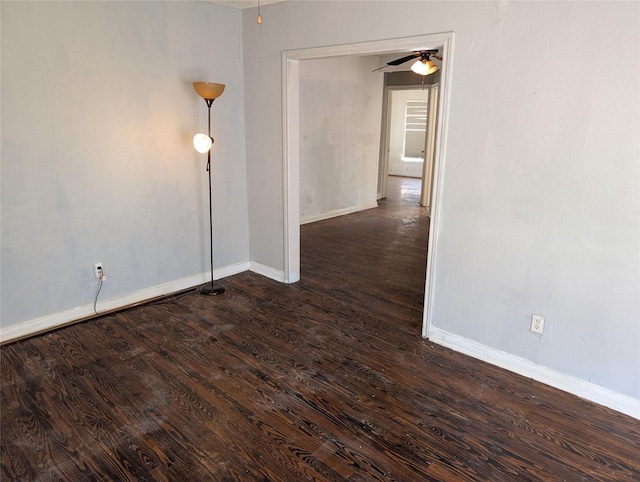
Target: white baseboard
{"type": "Point", "coordinates": [267, 271]}
{"type": "Point", "coordinates": [57, 320]}
{"type": "Point", "coordinates": [589, 391]}
{"type": "Point", "coordinates": [230, 270]}
{"type": "Point", "coordinates": [337, 212]}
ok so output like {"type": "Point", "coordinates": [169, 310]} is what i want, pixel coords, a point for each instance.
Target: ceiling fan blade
{"type": "Point", "coordinates": [403, 59]}
{"type": "Point", "coordinates": [417, 54]}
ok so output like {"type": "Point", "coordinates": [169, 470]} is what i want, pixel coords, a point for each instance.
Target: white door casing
{"type": "Point", "coordinates": [291, 143]}
{"type": "Point", "coordinates": [429, 149]}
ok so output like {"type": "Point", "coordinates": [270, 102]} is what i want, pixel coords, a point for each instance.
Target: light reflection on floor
{"type": "Point", "coordinates": [404, 189]}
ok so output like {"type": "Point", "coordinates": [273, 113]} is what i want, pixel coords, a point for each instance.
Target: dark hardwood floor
{"type": "Point", "coordinates": [327, 379]}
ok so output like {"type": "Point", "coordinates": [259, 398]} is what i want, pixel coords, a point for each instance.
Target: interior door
{"type": "Point", "coordinates": [429, 148]}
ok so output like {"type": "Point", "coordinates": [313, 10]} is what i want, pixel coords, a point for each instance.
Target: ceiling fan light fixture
{"type": "Point", "coordinates": [424, 67]}
{"type": "Point", "coordinates": [420, 67]}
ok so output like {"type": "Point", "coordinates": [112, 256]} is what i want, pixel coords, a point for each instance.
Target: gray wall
{"type": "Point", "coordinates": [98, 113]}
{"type": "Point", "coordinates": [540, 204]}
{"type": "Point", "coordinates": [404, 78]}
{"type": "Point", "coordinates": [341, 105]}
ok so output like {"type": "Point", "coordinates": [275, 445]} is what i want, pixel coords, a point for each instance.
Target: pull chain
{"type": "Point", "coordinates": [259, 19]}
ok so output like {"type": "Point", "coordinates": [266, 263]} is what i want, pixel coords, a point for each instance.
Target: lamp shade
{"type": "Point", "coordinates": [208, 90]}
{"type": "Point", "coordinates": [424, 67]}
{"type": "Point", "coordinates": [202, 143]}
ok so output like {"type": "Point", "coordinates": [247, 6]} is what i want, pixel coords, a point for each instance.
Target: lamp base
{"type": "Point", "coordinates": [211, 289]}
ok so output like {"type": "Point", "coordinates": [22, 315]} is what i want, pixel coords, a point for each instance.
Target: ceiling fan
{"type": "Point", "coordinates": [423, 65]}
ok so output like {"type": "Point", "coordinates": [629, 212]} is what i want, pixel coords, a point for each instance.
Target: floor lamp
{"type": "Point", "coordinates": [203, 142]}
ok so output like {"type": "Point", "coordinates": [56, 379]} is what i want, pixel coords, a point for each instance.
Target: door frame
{"type": "Point", "coordinates": [426, 189]}
{"type": "Point", "coordinates": [291, 144]}
{"type": "Point", "coordinates": [385, 138]}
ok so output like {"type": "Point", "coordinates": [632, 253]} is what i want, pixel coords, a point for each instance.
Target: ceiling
{"type": "Point", "coordinates": [242, 4]}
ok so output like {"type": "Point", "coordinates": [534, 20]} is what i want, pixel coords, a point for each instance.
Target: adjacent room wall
{"type": "Point", "coordinates": [540, 207]}
{"type": "Point", "coordinates": [98, 115]}
{"type": "Point", "coordinates": [340, 124]}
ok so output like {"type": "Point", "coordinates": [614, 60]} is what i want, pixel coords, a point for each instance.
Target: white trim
{"type": "Point", "coordinates": [444, 94]}
{"type": "Point", "coordinates": [383, 158]}
{"type": "Point", "coordinates": [57, 320]}
{"type": "Point", "coordinates": [337, 212]}
{"type": "Point", "coordinates": [291, 167]}
{"type": "Point", "coordinates": [229, 270]}
{"type": "Point", "coordinates": [429, 147]}
{"type": "Point", "coordinates": [589, 391]}
{"type": "Point", "coordinates": [291, 141]}
{"type": "Point", "coordinates": [267, 271]}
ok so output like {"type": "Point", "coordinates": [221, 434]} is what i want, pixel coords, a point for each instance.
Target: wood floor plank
{"type": "Point", "coordinates": [327, 379]}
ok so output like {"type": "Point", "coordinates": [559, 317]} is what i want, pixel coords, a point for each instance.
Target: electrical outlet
{"type": "Point", "coordinates": [537, 324]}
{"type": "Point", "coordinates": [98, 271]}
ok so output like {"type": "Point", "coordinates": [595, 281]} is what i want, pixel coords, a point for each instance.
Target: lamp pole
{"type": "Point", "coordinates": [209, 92]}
{"type": "Point", "coordinates": [213, 288]}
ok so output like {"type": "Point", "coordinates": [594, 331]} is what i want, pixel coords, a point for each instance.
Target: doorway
{"type": "Point", "coordinates": [291, 144]}
{"type": "Point", "coordinates": [409, 122]}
